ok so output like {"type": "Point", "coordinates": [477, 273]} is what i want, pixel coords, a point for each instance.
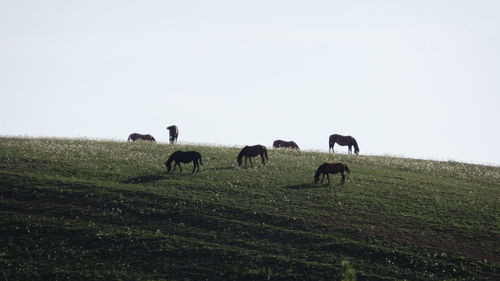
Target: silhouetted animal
{"type": "Point", "coordinates": [136, 136]}
{"type": "Point", "coordinates": [285, 144]}
{"type": "Point", "coordinates": [331, 168]}
{"type": "Point", "coordinates": [173, 132]}
{"type": "Point", "coordinates": [252, 151]}
{"type": "Point", "coordinates": [343, 140]}
{"type": "Point", "coordinates": [184, 157]}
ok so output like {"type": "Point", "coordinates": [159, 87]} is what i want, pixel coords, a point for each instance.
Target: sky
{"type": "Point", "coordinates": [418, 79]}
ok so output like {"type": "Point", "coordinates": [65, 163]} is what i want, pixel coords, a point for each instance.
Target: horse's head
{"type": "Point", "coordinates": [168, 165]}
{"type": "Point", "coordinates": [316, 178]}
{"type": "Point", "coordinates": [239, 159]}
{"type": "Point", "coordinates": [277, 143]}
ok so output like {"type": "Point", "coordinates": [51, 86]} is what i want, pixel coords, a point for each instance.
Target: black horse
{"type": "Point", "coordinates": [331, 168]}
{"type": "Point", "coordinates": [285, 144]}
{"type": "Point", "coordinates": [136, 136]}
{"type": "Point", "coordinates": [184, 157]}
{"type": "Point", "coordinates": [173, 132]}
{"type": "Point", "coordinates": [343, 140]}
{"type": "Point", "coordinates": [252, 151]}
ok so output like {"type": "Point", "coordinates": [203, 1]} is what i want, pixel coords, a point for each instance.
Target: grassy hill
{"type": "Point", "coordinates": [102, 210]}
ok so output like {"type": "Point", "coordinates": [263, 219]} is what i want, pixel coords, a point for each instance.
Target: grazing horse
{"type": "Point", "coordinates": [343, 140]}
{"type": "Point", "coordinates": [136, 136]}
{"type": "Point", "coordinates": [173, 132]}
{"type": "Point", "coordinates": [285, 144]}
{"type": "Point", "coordinates": [184, 157]}
{"type": "Point", "coordinates": [331, 168]}
{"type": "Point", "coordinates": [252, 151]}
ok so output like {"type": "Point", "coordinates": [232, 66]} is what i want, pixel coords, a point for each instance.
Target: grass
{"type": "Point", "coordinates": [103, 210]}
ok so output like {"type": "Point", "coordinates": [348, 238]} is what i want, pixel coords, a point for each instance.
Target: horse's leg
{"type": "Point", "coordinates": [322, 178]}
{"type": "Point", "coordinates": [180, 168]}
{"type": "Point", "coordinates": [350, 150]}
{"type": "Point", "coordinates": [250, 159]}
{"type": "Point", "coordinates": [342, 181]}
{"type": "Point", "coordinates": [263, 161]}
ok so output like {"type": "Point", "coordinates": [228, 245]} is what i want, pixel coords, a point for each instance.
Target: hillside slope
{"type": "Point", "coordinates": [102, 210]}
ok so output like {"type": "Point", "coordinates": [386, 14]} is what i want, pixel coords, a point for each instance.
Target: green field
{"type": "Point", "coordinates": [103, 210]}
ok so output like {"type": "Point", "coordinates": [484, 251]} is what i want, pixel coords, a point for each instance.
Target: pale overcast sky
{"type": "Point", "coordinates": [406, 78]}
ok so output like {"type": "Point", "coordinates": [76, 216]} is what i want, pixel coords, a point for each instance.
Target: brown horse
{"type": "Point", "coordinates": [252, 151]}
{"type": "Point", "coordinates": [331, 168]}
{"type": "Point", "coordinates": [173, 132]}
{"type": "Point", "coordinates": [285, 144]}
{"type": "Point", "coordinates": [343, 140]}
{"type": "Point", "coordinates": [184, 157]}
{"type": "Point", "coordinates": [136, 136]}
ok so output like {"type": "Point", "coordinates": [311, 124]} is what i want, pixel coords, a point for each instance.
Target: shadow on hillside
{"type": "Point", "coordinates": [305, 186]}
{"type": "Point", "coordinates": [144, 179]}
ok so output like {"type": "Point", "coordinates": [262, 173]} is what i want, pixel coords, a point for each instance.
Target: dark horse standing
{"type": "Point", "coordinates": [184, 157]}
{"type": "Point", "coordinates": [331, 168]}
{"type": "Point", "coordinates": [285, 144]}
{"type": "Point", "coordinates": [343, 140]}
{"type": "Point", "coordinates": [252, 151]}
{"type": "Point", "coordinates": [136, 136]}
{"type": "Point", "coordinates": [173, 132]}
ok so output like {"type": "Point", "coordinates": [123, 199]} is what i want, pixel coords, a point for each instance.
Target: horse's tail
{"type": "Point", "coordinates": [201, 160]}
{"type": "Point", "coordinates": [265, 152]}
{"type": "Point", "coordinates": [356, 147]}
{"type": "Point", "coordinates": [331, 142]}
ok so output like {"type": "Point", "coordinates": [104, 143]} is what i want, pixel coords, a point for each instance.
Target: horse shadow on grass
{"type": "Point", "coordinates": [144, 179]}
